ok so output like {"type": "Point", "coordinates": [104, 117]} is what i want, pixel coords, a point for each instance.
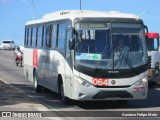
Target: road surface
{"type": "Point", "coordinates": [14, 75]}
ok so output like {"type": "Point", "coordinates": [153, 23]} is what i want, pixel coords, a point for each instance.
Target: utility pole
{"type": "Point", "coordinates": [34, 9]}
{"type": "Point", "coordinates": [80, 4]}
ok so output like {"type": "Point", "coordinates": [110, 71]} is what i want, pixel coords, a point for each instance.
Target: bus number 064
{"type": "Point", "coordinates": [100, 81]}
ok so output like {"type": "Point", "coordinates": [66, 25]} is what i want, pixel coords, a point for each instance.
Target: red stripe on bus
{"type": "Point", "coordinates": [35, 57]}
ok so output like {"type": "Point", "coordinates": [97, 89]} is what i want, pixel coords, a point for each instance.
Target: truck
{"type": "Point", "coordinates": [153, 58]}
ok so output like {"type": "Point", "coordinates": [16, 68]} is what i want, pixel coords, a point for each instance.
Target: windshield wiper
{"type": "Point", "coordinates": [97, 63]}
{"type": "Point", "coordinates": [126, 60]}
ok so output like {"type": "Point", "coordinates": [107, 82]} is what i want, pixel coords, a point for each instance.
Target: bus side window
{"type": "Point", "coordinates": [53, 35]}
{"type": "Point", "coordinates": [43, 36]}
{"type": "Point", "coordinates": [36, 36]}
{"type": "Point", "coordinates": [26, 36]}
{"type": "Point", "coordinates": [29, 37]}
{"type": "Point", "coordinates": [47, 38]}
{"type": "Point", "coordinates": [61, 36]}
{"type": "Point", "coordinates": [39, 36]}
{"type": "Point", "coordinates": [34, 30]}
{"type": "Point", "coordinates": [50, 37]}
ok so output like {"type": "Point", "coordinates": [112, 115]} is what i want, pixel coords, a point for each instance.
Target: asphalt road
{"type": "Point", "coordinates": [15, 76]}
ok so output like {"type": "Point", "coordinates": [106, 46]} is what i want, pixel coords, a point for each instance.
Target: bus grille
{"type": "Point", "coordinates": [149, 62]}
{"type": "Point", "coordinates": [112, 94]}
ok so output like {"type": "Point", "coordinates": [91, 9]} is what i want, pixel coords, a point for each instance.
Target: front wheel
{"type": "Point", "coordinates": [65, 100]}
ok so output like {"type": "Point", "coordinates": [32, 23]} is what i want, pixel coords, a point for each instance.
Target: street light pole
{"type": "Point", "coordinates": [31, 8]}
{"type": "Point", "coordinates": [80, 4]}
{"type": "Point", "coordinates": [34, 9]}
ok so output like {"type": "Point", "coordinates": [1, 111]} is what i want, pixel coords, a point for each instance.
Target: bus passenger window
{"type": "Point", "coordinates": [49, 43]}
{"type": "Point", "coordinates": [26, 36]}
{"type": "Point", "coordinates": [29, 37]}
{"type": "Point", "coordinates": [61, 36]}
{"type": "Point", "coordinates": [47, 37]}
{"type": "Point", "coordinates": [36, 36]}
{"type": "Point", "coordinates": [34, 30]}
{"type": "Point", "coordinates": [39, 36]}
{"type": "Point", "coordinates": [53, 35]}
{"type": "Point", "coordinates": [43, 36]}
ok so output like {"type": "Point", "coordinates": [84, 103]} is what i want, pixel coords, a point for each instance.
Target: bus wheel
{"type": "Point", "coordinates": [122, 102]}
{"type": "Point", "coordinates": [37, 88]}
{"type": "Point", "coordinates": [65, 100]}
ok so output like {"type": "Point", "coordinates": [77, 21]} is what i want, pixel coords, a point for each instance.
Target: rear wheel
{"type": "Point", "coordinates": [37, 87]}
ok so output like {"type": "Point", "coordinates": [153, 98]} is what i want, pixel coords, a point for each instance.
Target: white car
{"type": "Point", "coordinates": [8, 45]}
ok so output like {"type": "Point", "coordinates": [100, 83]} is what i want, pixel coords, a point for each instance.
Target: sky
{"type": "Point", "coordinates": [15, 13]}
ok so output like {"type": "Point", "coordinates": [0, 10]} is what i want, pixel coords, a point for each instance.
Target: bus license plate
{"type": "Point", "coordinates": [149, 72]}
{"type": "Point", "coordinates": [100, 81]}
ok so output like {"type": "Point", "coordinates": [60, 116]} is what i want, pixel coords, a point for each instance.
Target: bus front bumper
{"type": "Point", "coordinates": [132, 92]}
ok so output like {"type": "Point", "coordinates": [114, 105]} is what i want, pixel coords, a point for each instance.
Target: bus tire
{"type": "Point", "coordinates": [37, 87]}
{"type": "Point", "coordinates": [65, 100]}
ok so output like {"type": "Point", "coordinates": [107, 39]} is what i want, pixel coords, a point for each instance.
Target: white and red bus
{"type": "Point", "coordinates": [153, 57]}
{"type": "Point", "coordinates": [73, 53]}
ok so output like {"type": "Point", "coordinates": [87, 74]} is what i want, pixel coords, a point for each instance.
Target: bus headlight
{"type": "Point", "coordinates": [144, 80]}
{"type": "Point", "coordinates": [141, 82]}
{"type": "Point", "coordinates": [84, 82]}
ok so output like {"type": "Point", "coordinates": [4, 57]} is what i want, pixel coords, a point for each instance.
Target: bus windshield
{"type": "Point", "coordinates": [98, 45]}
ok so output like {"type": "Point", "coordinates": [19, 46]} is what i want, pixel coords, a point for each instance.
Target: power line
{"type": "Point", "coordinates": [31, 8]}
{"type": "Point", "coordinates": [34, 9]}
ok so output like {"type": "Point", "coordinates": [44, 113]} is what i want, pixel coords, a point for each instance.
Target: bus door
{"type": "Point", "coordinates": [68, 64]}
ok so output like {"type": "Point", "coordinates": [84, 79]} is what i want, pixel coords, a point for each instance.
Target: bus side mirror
{"type": "Point", "coordinates": [146, 34]}
{"type": "Point", "coordinates": [71, 43]}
